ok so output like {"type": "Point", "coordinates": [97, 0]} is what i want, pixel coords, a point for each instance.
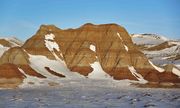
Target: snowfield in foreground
{"type": "Point", "coordinates": [90, 94]}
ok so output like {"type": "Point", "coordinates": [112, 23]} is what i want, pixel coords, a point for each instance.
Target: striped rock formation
{"type": "Point", "coordinates": [92, 51]}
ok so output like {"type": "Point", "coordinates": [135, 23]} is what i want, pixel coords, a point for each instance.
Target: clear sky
{"type": "Point", "coordinates": [22, 18]}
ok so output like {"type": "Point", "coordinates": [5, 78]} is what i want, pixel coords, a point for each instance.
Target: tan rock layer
{"type": "Point", "coordinates": [161, 46]}
{"type": "Point", "coordinates": [10, 71]}
{"type": "Point", "coordinates": [5, 43]}
{"type": "Point", "coordinates": [15, 55]}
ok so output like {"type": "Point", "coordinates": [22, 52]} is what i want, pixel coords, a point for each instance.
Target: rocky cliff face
{"type": "Point", "coordinates": [92, 50]}
{"type": "Point", "coordinates": [108, 44]}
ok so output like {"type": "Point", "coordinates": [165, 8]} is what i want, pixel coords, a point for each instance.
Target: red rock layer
{"type": "Point", "coordinates": [10, 76]}
{"type": "Point", "coordinates": [82, 70]}
{"type": "Point", "coordinates": [10, 71]}
{"type": "Point", "coordinates": [5, 43]}
{"type": "Point", "coordinates": [121, 73]}
{"type": "Point", "coordinates": [28, 70]}
{"type": "Point", "coordinates": [53, 72]}
{"type": "Point", "coordinates": [155, 76]}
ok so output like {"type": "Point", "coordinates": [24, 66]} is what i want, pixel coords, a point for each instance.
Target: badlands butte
{"type": "Point", "coordinates": [91, 51]}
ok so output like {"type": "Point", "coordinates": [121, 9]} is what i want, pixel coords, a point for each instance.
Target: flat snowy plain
{"type": "Point", "coordinates": [90, 93]}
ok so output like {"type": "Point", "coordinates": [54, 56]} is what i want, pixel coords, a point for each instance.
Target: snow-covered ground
{"type": "Point", "coordinates": [163, 57]}
{"type": "Point", "coordinates": [148, 39]}
{"type": "Point", "coordinates": [90, 94]}
{"type": "Point", "coordinates": [13, 40]}
{"type": "Point", "coordinates": [2, 49]}
{"type": "Point", "coordinates": [159, 57]}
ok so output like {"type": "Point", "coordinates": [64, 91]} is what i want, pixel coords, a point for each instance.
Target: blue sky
{"type": "Point", "coordinates": [22, 18]}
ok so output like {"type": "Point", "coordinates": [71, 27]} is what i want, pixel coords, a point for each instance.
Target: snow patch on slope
{"type": "Point", "coordinates": [126, 47]}
{"type": "Point", "coordinates": [93, 48]}
{"type": "Point", "coordinates": [35, 81]}
{"type": "Point", "coordinates": [150, 36]}
{"type": "Point", "coordinates": [174, 42]}
{"type": "Point", "coordinates": [157, 68]}
{"type": "Point", "coordinates": [50, 43]}
{"type": "Point", "coordinates": [13, 43]}
{"type": "Point", "coordinates": [119, 36]}
{"type": "Point", "coordinates": [98, 72]}
{"type": "Point", "coordinates": [38, 63]}
{"type": "Point", "coordinates": [164, 56]}
{"type": "Point", "coordinates": [137, 75]}
{"type": "Point", "coordinates": [3, 49]}
{"type": "Point", "coordinates": [13, 40]}
{"type": "Point", "coordinates": [176, 71]}
{"type": "Point", "coordinates": [148, 39]}
{"type": "Point", "coordinates": [50, 36]}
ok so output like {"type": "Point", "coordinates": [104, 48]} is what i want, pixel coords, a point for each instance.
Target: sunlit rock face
{"type": "Point", "coordinates": [91, 51]}
{"type": "Point", "coordinates": [109, 44]}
